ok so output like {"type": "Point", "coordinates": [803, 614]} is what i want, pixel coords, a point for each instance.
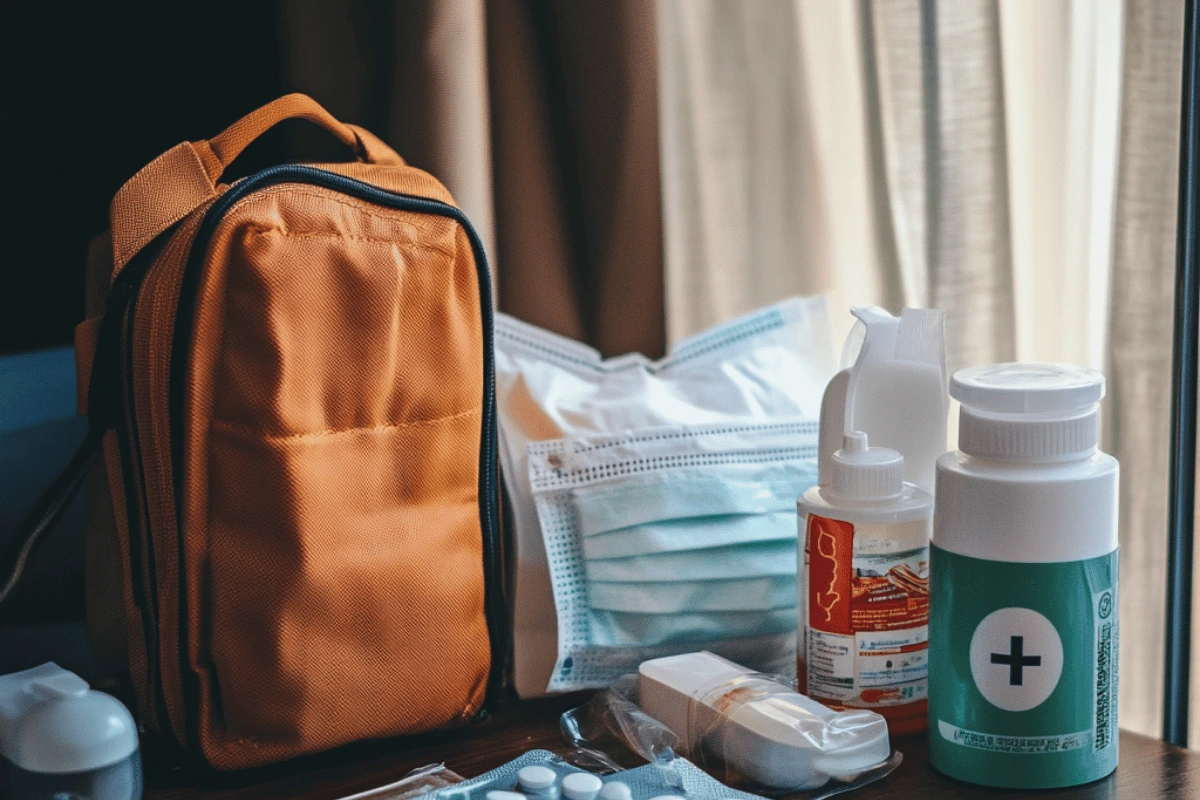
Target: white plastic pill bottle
{"type": "Point", "coordinates": [1023, 633]}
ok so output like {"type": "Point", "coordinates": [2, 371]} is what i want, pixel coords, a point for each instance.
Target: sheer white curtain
{"type": "Point", "coordinates": [1010, 161]}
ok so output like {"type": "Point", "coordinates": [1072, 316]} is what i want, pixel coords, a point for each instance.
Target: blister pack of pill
{"type": "Point", "coordinates": [541, 775]}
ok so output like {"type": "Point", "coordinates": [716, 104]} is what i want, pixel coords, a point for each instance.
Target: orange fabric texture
{"type": "Point", "coordinates": [185, 177]}
{"type": "Point", "coordinates": [220, 151]}
{"type": "Point", "coordinates": [323, 580]}
{"type": "Point", "coordinates": [165, 191]}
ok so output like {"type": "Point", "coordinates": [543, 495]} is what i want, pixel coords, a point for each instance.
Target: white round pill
{"type": "Point", "coordinates": [581, 786]}
{"type": "Point", "coordinates": [615, 790]}
{"type": "Point", "coordinates": [536, 779]}
{"type": "Point", "coordinates": [500, 794]}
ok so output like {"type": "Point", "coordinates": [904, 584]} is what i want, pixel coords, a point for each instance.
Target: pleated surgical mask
{"type": "Point", "coordinates": [665, 539]}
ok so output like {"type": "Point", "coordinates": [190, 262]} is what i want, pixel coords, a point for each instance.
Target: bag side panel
{"type": "Point", "coordinates": [153, 330]}
{"type": "Point", "coordinates": [114, 622]}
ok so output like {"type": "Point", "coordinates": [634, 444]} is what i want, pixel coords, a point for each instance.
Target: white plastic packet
{"type": "Point", "coordinates": [763, 368]}
{"type": "Point", "coordinates": [749, 731]}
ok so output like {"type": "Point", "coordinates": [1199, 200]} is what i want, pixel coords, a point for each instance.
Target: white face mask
{"type": "Point", "coordinates": [669, 539]}
{"type": "Point", "coordinates": [766, 367]}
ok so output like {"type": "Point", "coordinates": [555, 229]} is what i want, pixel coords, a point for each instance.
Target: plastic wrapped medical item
{"type": "Point", "coordinates": [610, 732]}
{"type": "Point", "coordinates": [766, 368]}
{"type": "Point", "coordinates": [421, 781]}
{"type": "Point", "coordinates": [748, 730]}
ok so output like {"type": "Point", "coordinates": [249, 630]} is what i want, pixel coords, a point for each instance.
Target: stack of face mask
{"type": "Point", "coordinates": [672, 537]}
{"type": "Point", "coordinates": [661, 495]}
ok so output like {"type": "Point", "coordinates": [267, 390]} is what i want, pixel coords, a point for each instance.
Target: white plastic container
{"type": "Point", "coordinates": [863, 587]}
{"type": "Point", "coordinates": [63, 739]}
{"type": "Point", "coordinates": [1023, 616]}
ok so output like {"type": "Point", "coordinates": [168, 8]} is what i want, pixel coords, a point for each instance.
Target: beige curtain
{"type": "Point", "coordinates": [1010, 161]}
{"type": "Point", "coordinates": [541, 119]}
{"type": "Point", "coordinates": [1140, 346]}
{"type": "Point", "coordinates": [744, 187]}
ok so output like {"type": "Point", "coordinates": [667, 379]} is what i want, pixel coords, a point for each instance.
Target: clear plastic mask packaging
{"type": "Point", "coordinates": [748, 730]}
{"type": "Point", "coordinates": [576, 431]}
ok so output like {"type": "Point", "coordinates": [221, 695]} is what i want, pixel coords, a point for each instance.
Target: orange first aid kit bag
{"type": "Point", "coordinates": [293, 527]}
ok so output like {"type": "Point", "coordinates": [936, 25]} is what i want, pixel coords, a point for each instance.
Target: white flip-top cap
{"type": "Point", "coordinates": [1027, 388]}
{"type": "Point", "coordinates": [862, 472]}
{"type": "Point", "coordinates": [52, 723]}
{"type": "Point", "coordinates": [1032, 412]}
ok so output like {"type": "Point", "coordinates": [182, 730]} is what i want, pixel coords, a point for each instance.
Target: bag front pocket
{"type": "Point", "coordinates": [333, 531]}
{"type": "Point", "coordinates": [346, 586]}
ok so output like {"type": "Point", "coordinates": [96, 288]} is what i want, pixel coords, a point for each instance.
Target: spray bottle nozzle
{"type": "Point", "coordinates": [895, 393]}
{"type": "Point", "coordinates": [854, 442]}
{"type": "Point", "coordinates": [863, 472]}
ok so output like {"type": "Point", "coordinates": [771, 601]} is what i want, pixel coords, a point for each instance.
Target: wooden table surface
{"type": "Point", "coordinates": [1149, 769]}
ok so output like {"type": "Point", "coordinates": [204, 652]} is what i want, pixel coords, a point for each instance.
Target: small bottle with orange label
{"type": "Point", "coordinates": [864, 587]}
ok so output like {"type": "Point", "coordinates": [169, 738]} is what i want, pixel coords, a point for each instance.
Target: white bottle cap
{"type": "Point", "coordinates": [1028, 412]}
{"type": "Point", "coordinates": [52, 723]}
{"type": "Point", "coordinates": [536, 778]}
{"type": "Point", "coordinates": [581, 786]}
{"type": "Point", "coordinates": [615, 790]}
{"type": "Point", "coordinates": [862, 472]}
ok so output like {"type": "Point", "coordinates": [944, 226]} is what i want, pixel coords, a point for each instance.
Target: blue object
{"type": "Point", "coordinates": [39, 434]}
{"type": "Point", "coordinates": [1178, 644]}
{"type": "Point", "coordinates": [36, 387]}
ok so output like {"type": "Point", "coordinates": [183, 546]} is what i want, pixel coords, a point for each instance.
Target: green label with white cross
{"type": "Point", "coordinates": [1022, 670]}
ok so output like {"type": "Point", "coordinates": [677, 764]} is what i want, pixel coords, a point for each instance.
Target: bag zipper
{"type": "Point", "coordinates": [111, 407]}
{"type": "Point", "coordinates": [495, 609]}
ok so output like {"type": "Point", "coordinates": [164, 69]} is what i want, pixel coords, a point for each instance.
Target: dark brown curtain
{"type": "Point", "coordinates": [540, 117]}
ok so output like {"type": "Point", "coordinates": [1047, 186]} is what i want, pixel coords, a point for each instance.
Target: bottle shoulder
{"type": "Point", "coordinates": [1030, 513]}
{"type": "Point", "coordinates": [913, 504]}
{"type": "Point", "coordinates": [1097, 465]}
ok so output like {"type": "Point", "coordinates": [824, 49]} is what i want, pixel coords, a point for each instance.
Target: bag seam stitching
{"type": "Point", "coordinates": [306, 234]}
{"type": "Point", "coordinates": [249, 432]}
{"type": "Point", "coordinates": [290, 188]}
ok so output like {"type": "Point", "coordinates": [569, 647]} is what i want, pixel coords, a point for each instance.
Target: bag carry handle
{"type": "Point", "coordinates": [220, 151]}
{"type": "Point", "coordinates": [185, 177]}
